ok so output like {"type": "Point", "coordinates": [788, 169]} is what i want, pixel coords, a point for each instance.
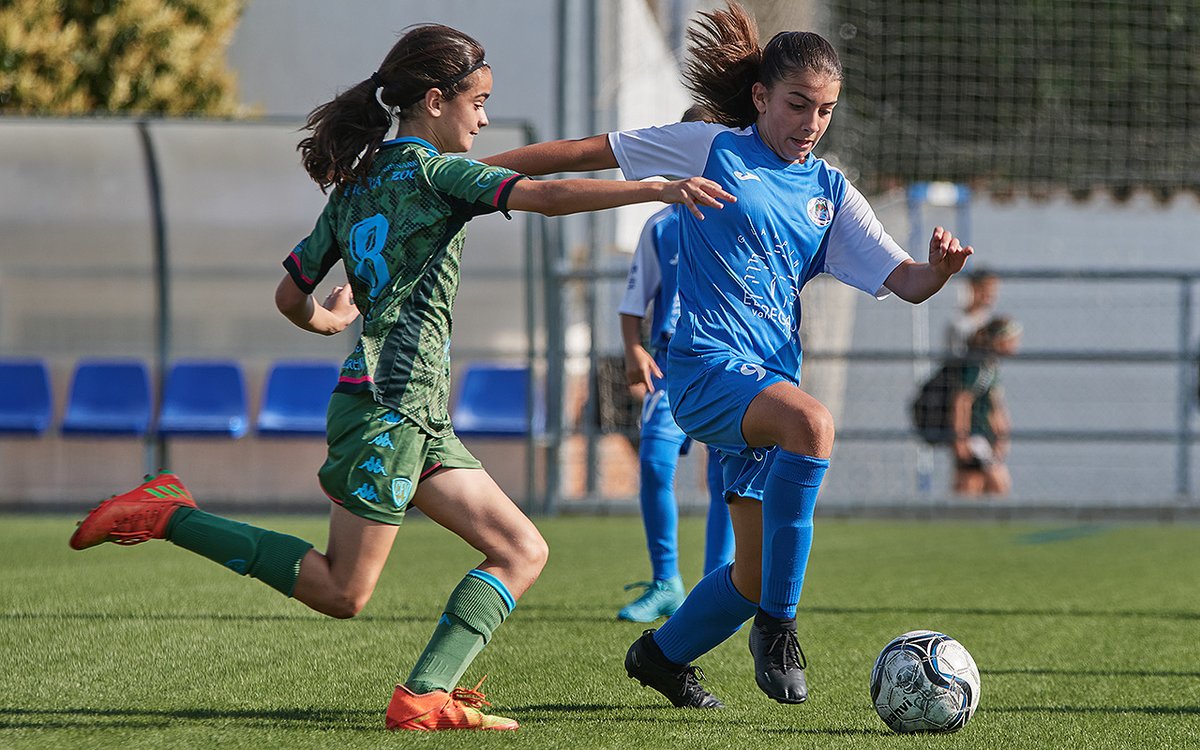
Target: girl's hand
{"type": "Point", "coordinates": [946, 255]}
{"type": "Point", "coordinates": [340, 302]}
{"type": "Point", "coordinates": [695, 192]}
{"type": "Point", "coordinates": [640, 370]}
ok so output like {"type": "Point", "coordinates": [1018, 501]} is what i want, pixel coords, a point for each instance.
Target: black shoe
{"type": "Point", "coordinates": [778, 661]}
{"type": "Point", "coordinates": [680, 684]}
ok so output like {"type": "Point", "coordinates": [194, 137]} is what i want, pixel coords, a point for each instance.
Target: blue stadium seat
{"type": "Point", "coordinates": [204, 398]}
{"type": "Point", "coordinates": [26, 406]}
{"type": "Point", "coordinates": [493, 402]}
{"type": "Point", "coordinates": [108, 397]}
{"type": "Point", "coordinates": [295, 398]}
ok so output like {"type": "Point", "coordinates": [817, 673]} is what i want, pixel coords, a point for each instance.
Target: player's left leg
{"type": "Point", "coordinates": [658, 458]}
{"type": "Point", "coordinates": [802, 428]}
{"type": "Point", "coordinates": [469, 503]}
{"type": "Point", "coordinates": [718, 531]}
{"type": "Point", "coordinates": [712, 612]}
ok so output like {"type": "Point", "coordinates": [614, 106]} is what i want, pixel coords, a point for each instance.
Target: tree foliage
{"type": "Point", "coordinates": [67, 57]}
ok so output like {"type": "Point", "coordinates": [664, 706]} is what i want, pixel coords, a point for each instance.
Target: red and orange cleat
{"type": "Point", "coordinates": [437, 710]}
{"type": "Point", "coordinates": [136, 516]}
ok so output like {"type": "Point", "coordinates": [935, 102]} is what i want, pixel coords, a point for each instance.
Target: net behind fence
{"type": "Point", "coordinates": [1077, 94]}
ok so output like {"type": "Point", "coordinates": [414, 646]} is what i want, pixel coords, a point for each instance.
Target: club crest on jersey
{"type": "Point", "coordinates": [820, 210]}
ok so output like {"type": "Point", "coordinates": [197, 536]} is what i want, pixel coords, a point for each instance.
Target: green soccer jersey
{"type": "Point", "coordinates": [400, 236]}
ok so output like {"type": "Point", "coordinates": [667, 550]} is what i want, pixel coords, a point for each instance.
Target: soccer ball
{"type": "Point", "coordinates": [925, 682]}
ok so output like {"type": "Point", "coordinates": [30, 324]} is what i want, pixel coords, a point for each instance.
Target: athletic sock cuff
{"type": "Point", "coordinates": [181, 513]}
{"type": "Point", "coordinates": [729, 598]}
{"type": "Point", "coordinates": [277, 563]}
{"type": "Point", "coordinates": [807, 471]}
{"type": "Point", "coordinates": [480, 602]}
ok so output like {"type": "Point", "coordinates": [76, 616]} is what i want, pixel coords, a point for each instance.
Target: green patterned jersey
{"type": "Point", "coordinates": [400, 235]}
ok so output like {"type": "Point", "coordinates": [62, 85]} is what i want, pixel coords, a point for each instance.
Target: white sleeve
{"type": "Point", "coordinates": [860, 253]}
{"type": "Point", "coordinates": [673, 151]}
{"type": "Point", "coordinates": [645, 277]}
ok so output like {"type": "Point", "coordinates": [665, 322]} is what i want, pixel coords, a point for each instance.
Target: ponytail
{"type": "Point", "coordinates": [725, 62]}
{"type": "Point", "coordinates": [723, 65]}
{"type": "Point", "coordinates": [347, 131]}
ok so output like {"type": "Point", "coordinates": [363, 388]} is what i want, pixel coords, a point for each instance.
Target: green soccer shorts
{"type": "Point", "coordinates": [377, 458]}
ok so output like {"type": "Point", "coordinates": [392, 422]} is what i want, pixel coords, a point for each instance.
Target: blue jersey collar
{"type": "Point", "coordinates": [410, 139]}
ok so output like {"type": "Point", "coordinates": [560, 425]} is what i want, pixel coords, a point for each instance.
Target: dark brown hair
{"type": "Point", "coordinates": [347, 131]}
{"type": "Point", "coordinates": [725, 61]}
{"type": "Point", "coordinates": [697, 113]}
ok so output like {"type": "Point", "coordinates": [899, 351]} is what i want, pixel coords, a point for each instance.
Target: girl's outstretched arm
{"type": "Point", "coordinates": [337, 312]}
{"type": "Point", "coordinates": [917, 282]}
{"type": "Point", "coordinates": [582, 155]}
{"type": "Point", "coordinates": [558, 197]}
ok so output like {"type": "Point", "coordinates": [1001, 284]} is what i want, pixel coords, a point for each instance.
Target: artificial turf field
{"type": "Point", "coordinates": [1086, 637]}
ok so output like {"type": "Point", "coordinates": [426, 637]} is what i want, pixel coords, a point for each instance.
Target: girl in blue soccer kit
{"type": "Point", "coordinates": [733, 365]}
{"type": "Point", "coordinates": [653, 282]}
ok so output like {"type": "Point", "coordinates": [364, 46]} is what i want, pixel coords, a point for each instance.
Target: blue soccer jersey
{"type": "Point", "coordinates": [652, 277]}
{"type": "Point", "coordinates": [743, 267]}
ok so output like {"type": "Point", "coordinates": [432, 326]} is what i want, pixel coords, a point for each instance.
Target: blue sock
{"type": "Point", "coordinates": [789, 498]}
{"type": "Point", "coordinates": [660, 516]}
{"type": "Point", "coordinates": [712, 612]}
{"type": "Point", "coordinates": [718, 532]}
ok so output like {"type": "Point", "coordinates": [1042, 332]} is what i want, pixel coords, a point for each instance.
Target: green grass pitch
{"type": "Point", "coordinates": [1086, 637]}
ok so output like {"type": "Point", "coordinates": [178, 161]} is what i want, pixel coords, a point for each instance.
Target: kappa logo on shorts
{"type": "Point", "coordinates": [751, 369]}
{"type": "Point", "coordinates": [401, 489]}
{"type": "Point", "coordinates": [820, 210]}
{"type": "Point", "coordinates": [374, 465]}
{"type": "Point", "coordinates": [366, 493]}
{"type": "Point", "coordinates": [383, 440]}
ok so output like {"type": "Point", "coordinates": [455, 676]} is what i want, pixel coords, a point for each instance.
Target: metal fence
{"type": "Point", "coordinates": [1103, 396]}
{"type": "Point", "coordinates": [162, 239]}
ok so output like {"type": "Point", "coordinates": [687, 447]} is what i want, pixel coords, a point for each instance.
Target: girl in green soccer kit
{"type": "Point", "coordinates": [395, 219]}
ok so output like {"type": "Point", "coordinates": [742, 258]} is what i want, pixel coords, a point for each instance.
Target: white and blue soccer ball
{"type": "Point", "coordinates": [925, 681]}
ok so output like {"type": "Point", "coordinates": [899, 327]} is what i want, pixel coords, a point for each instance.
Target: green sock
{"type": "Point", "coordinates": [475, 609]}
{"type": "Point", "coordinates": [271, 557]}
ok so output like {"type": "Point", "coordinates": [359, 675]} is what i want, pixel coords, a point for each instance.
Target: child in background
{"type": "Point", "coordinates": [653, 281]}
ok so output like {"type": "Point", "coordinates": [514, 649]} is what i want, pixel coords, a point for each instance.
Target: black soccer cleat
{"type": "Point", "coordinates": [778, 661]}
{"type": "Point", "coordinates": [680, 684]}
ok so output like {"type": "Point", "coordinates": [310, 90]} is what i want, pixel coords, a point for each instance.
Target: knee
{"type": "Point", "coordinates": [810, 431]}
{"type": "Point", "coordinates": [537, 553]}
{"type": "Point", "coordinates": [530, 553]}
{"type": "Point", "coordinates": [346, 604]}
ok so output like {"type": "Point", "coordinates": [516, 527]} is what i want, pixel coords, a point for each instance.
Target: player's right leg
{"type": "Point", "coordinates": [468, 502]}
{"type": "Point", "coordinates": [162, 508]}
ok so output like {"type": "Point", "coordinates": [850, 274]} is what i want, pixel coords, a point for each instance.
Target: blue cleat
{"type": "Point", "coordinates": [660, 599]}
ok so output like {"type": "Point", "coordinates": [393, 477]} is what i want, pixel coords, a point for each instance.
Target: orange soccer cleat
{"type": "Point", "coordinates": [136, 516]}
{"type": "Point", "coordinates": [437, 710]}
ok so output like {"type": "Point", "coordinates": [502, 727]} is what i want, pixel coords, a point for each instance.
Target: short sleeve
{"type": "Point", "coordinates": [311, 260]}
{"type": "Point", "coordinates": [860, 252]}
{"type": "Point", "coordinates": [673, 151]}
{"type": "Point", "coordinates": [474, 187]}
{"type": "Point", "coordinates": [645, 276]}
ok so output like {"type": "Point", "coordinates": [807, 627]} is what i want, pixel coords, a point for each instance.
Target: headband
{"type": "Point", "coordinates": [381, 84]}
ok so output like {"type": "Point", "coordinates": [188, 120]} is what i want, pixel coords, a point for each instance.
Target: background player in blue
{"type": "Point", "coordinates": [733, 365]}
{"type": "Point", "coordinates": [653, 282]}
{"type": "Point", "coordinates": [395, 221]}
